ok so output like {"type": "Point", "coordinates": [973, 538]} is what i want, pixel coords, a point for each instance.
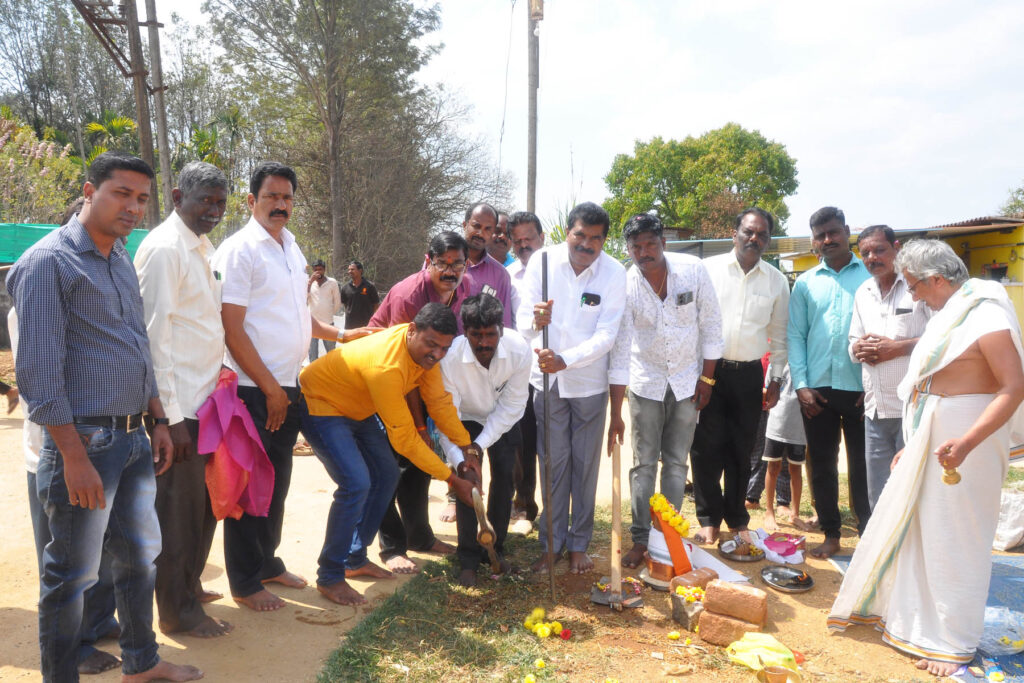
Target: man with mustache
{"type": "Point", "coordinates": [443, 280]}
{"type": "Point", "coordinates": [487, 373]}
{"type": "Point", "coordinates": [324, 299]}
{"type": "Point", "coordinates": [885, 327]}
{"type": "Point", "coordinates": [587, 289]}
{"type": "Point", "coordinates": [668, 344]}
{"type": "Point", "coordinates": [355, 399]}
{"type": "Point", "coordinates": [527, 237]}
{"type": "Point", "coordinates": [186, 339]}
{"type": "Point", "coordinates": [827, 381]}
{"type": "Point", "coordinates": [86, 375]}
{"type": "Point", "coordinates": [500, 246]}
{"type": "Point", "coordinates": [754, 298]}
{"type": "Point", "coordinates": [359, 296]}
{"type": "Point", "coordinates": [489, 276]}
{"type": "Point", "coordinates": [267, 329]}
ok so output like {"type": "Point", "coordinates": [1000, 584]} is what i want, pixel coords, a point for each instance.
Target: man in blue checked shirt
{"type": "Point", "coordinates": [85, 372]}
{"type": "Point", "coordinates": [827, 381]}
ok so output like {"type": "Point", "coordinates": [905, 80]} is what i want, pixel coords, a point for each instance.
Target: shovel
{"type": "Point", "coordinates": [613, 595]}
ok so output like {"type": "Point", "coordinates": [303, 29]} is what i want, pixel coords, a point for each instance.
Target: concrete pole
{"type": "Point", "coordinates": [138, 74]}
{"type": "Point", "coordinates": [533, 49]}
{"type": "Point", "coordinates": [166, 181]}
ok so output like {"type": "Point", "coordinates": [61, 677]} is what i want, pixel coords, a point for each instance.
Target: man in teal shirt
{"type": "Point", "coordinates": [828, 384]}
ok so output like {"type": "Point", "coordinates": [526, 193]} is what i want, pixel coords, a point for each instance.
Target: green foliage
{"type": "Point", "coordinates": [703, 182]}
{"type": "Point", "coordinates": [114, 132]}
{"type": "Point", "coordinates": [38, 179]}
{"type": "Point", "coordinates": [1014, 205]}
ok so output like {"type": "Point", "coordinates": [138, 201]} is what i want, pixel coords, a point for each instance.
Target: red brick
{"type": "Point", "coordinates": [721, 630]}
{"type": "Point", "coordinates": [737, 600]}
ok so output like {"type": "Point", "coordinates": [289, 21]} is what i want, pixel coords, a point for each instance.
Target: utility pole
{"type": "Point", "coordinates": [138, 76]}
{"type": "Point", "coordinates": [533, 50]}
{"type": "Point", "coordinates": [166, 181]}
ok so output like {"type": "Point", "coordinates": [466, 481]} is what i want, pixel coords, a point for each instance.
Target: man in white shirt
{"type": "Point", "coordinates": [267, 329]}
{"type": "Point", "coordinates": [884, 330]}
{"type": "Point", "coordinates": [587, 289]}
{"type": "Point", "coordinates": [754, 299]}
{"type": "Point", "coordinates": [181, 304]}
{"type": "Point", "coordinates": [487, 372]}
{"type": "Point", "coordinates": [527, 236]}
{"type": "Point", "coordinates": [324, 298]}
{"type": "Point", "coordinates": [669, 342]}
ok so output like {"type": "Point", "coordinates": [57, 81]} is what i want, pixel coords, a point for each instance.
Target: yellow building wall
{"type": "Point", "coordinates": [978, 251]}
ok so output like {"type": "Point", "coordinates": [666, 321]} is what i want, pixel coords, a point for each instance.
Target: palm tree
{"type": "Point", "coordinates": [232, 123]}
{"type": "Point", "coordinates": [114, 132]}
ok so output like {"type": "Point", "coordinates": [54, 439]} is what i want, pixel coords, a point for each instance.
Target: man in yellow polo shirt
{"type": "Point", "coordinates": [356, 400]}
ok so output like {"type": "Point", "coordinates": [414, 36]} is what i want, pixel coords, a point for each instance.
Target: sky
{"type": "Point", "coordinates": [904, 113]}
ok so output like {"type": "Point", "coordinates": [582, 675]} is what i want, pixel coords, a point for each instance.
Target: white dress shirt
{"type": "Point", "coordinates": [269, 279]}
{"type": "Point", "coordinates": [581, 333]}
{"type": "Point", "coordinates": [494, 397]}
{"type": "Point", "coordinates": [324, 300]}
{"type": "Point", "coordinates": [896, 316]}
{"type": "Point", "coordinates": [755, 310]}
{"type": "Point", "coordinates": [664, 343]}
{"type": "Point", "coordinates": [516, 271]}
{"type": "Point", "coordinates": [181, 304]}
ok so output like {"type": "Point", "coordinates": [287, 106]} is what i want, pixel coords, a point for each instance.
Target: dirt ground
{"type": "Point", "coordinates": [290, 644]}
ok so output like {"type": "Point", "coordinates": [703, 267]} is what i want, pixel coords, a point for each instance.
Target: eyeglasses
{"type": "Point", "coordinates": [912, 287]}
{"type": "Point", "coordinates": [454, 266]}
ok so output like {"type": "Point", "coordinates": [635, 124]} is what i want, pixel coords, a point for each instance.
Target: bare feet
{"type": "Point", "coordinates": [800, 523]}
{"type": "Point", "coordinates": [541, 566]}
{"type": "Point", "coordinates": [263, 601]}
{"type": "Point", "coordinates": [467, 578]}
{"type": "Point", "coordinates": [165, 671]}
{"type": "Point", "coordinates": [784, 511]}
{"type": "Point", "coordinates": [752, 504]}
{"type": "Point", "coordinates": [634, 557]}
{"type": "Point", "coordinates": [708, 535]}
{"type": "Point", "coordinates": [770, 525]}
{"type": "Point", "coordinates": [449, 513]}
{"type": "Point", "coordinates": [210, 628]}
{"type": "Point", "coordinates": [288, 579]}
{"type": "Point", "coordinates": [206, 596]}
{"type": "Point", "coordinates": [400, 564]}
{"type": "Point", "coordinates": [580, 563]}
{"type": "Point", "coordinates": [827, 549]}
{"type": "Point", "coordinates": [938, 668]}
{"type": "Point", "coordinates": [341, 593]}
{"type": "Point", "coordinates": [98, 662]}
{"type": "Point", "coordinates": [369, 569]}
{"type": "Point", "coordinates": [440, 548]}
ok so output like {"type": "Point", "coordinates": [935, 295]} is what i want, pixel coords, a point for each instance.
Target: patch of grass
{"type": "Point", "coordinates": [1014, 475]}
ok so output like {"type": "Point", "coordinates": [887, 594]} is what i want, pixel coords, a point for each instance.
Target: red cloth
{"type": "Point", "coordinates": [239, 475]}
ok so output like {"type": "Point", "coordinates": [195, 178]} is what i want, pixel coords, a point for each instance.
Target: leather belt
{"type": "Point", "coordinates": [737, 364]}
{"type": "Point", "coordinates": [127, 423]}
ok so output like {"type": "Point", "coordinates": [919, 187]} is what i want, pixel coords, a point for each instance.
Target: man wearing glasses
{"type": "Point", "coordinates": [443, 280]}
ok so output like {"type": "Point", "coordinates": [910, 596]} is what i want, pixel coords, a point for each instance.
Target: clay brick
{"type": "Point", "coordinates": [737, 600]}
{"type": "Point", "coordinates": [721, 630]}
{"type": "Point", "coordinates": [687, 614]}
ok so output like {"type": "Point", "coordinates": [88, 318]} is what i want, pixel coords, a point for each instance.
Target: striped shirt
{"type": "Point", "coordinates": [83, 349]}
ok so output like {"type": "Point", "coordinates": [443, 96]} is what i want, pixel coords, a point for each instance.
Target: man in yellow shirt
{"type": "Point", "coordinates": [356, 401]}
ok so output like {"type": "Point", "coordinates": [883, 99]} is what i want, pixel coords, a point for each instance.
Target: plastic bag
{"type": "Point", "coordinates": [1004, 632]}
{"type": "Point", "coordinates": [1010, 531]}
{"type": "Point", "coordinates": [758, 650]}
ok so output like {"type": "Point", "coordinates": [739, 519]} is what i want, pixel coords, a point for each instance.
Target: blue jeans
{"type": "Point", "coordinates": [71, 560]}
{"type": "Point", "coordinates": [662, 431]}
{"type": "Point", "coordinates": [98, 612]}
{"type": "Point", "coordinates": [357, 456]}
{"type": "Point", "coordinates": [882, 438]}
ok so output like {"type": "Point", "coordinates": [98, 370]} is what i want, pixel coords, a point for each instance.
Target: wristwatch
{"type": "Point", "coordinates": [779, 380]}
{"type": "Point", "coordinates": [161, 421]}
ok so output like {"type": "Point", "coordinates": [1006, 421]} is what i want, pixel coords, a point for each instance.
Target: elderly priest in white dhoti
{"type": "Point", "coordinates": [921, 572]}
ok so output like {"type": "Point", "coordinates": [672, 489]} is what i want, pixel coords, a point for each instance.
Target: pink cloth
{"type": "Point", "coordinates": [239, 475]}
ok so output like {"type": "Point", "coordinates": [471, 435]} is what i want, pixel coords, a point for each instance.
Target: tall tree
{"type": "Point", "coordinates": [329, 51]}
{"type": "Point", "coordinates": [1014, 205]}
{"type": "Point", "coordinates": [702, 182]}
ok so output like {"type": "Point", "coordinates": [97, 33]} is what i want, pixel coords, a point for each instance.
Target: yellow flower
{"type": "Point", "coordinates": [528, 624]}
{"type": "Point", "coordinates": [679, 590]}
{"type": "Point", "coordinates": [537, 614]}
{"type": "Point", "coordinates": [543, 631]}
{"type": "Point", "coordinates": [529, 678]}
{"type": "Point", "coordinates": [666, 515]}
{"type": "Point", "coordinates": [539, 663]}
{"type": "Point", "coordinates": [688, 641]}
{"type": "Point", "coordinates": [556, 628]}
{"type": "Point", "coordinates": [673, 635]}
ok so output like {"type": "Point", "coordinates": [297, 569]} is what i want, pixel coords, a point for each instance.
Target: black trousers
{"type": "Point", "coordinates": [722, 442]}
{"type": "Point", "coordinates": [845, 412]}
{"type": "Point", "coordinates": [411, 530]}
{"type": "Point", "coordinates": [525, 474]}
{"type": "Point", "coordinates": [187, 526]}
{"type": "Point", "coordinates": [501, 457]}
{"type": "Point", "coordinates": [250, 543]}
